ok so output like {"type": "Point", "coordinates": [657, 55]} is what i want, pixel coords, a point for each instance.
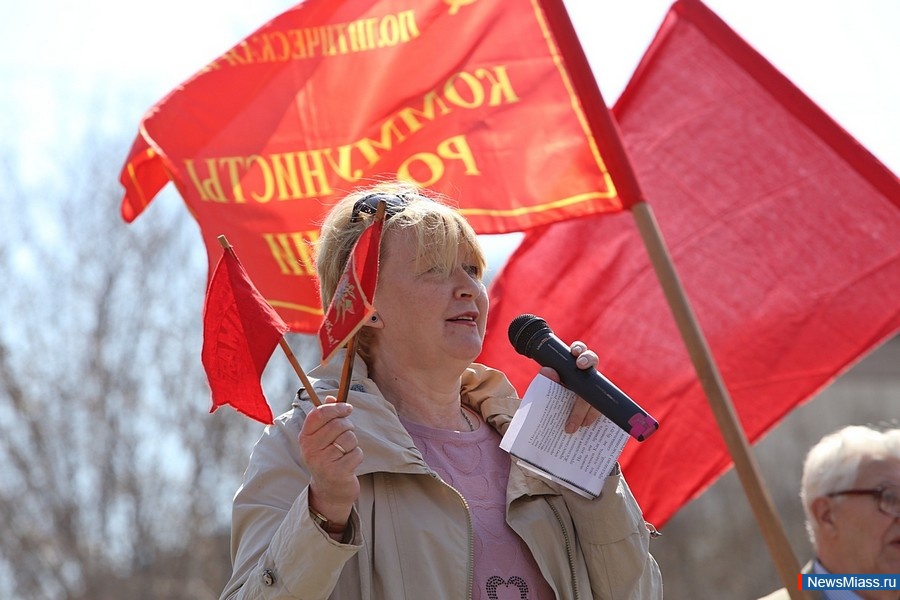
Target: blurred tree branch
{"type": "Point", "coordinates": [116, 481]}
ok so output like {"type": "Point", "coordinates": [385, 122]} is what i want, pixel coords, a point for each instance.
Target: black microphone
{"type": "Point", "coordinates": [532, 337]}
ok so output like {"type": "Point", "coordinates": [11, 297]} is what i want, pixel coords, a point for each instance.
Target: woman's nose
{"type": "Point", "coordinates": [466, 284]}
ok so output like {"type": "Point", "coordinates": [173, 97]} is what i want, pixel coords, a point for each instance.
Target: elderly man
{"type": "Point", "coordinates": [851, 495]}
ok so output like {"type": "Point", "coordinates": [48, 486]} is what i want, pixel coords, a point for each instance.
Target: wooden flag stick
{"type": "Point", "coordinates": [720, 402]}
{"type": "Point", "coordinates": [283, 343]}
{"type": "Point", "coordinates": [347, 371]}
{"type": "Point", "coordinates": [606, 134]}
{"type": "Point", "coordinates": [314, 398]}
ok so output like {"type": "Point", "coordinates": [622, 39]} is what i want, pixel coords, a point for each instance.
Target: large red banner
{"type": "Point", "coordinates": [470, 99]}
{"type": "Point", "coordinates": [783, 230]}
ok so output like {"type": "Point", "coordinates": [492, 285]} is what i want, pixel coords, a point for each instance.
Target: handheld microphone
{"type": "Point", "coordinates": [531, 336]}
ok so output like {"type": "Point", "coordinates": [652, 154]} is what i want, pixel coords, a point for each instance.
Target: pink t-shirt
{"type": "Point", "coordinates": [473, 463]}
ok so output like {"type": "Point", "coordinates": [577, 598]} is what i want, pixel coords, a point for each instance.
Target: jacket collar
{"type": "Point", "coordinates": [386, 443]}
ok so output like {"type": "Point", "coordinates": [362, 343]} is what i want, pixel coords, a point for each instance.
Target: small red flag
{"type": "Point", "coordinates": [351, 303]}
{"type": "Point", "coordinates": [240, 332]}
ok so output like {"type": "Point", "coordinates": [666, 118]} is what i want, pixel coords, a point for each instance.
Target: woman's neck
{"type": "Point", "coordinates": [423, 391]}
{"type": "Point", "coordinates": [427, 400]}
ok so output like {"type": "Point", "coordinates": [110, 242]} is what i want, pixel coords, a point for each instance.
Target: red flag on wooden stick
{"type": "Point", "coordinates": [351, 303]}
{"type": "Point", "coordinates": [240, 332]}
{"type": "Point", "coordinates": [783, 230]}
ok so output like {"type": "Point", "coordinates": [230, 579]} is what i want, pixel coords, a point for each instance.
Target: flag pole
{"type": "Point", "coordinates": [606, 135]}
{"type": "Point", "coordinates": [223, 241]}
{"type": "Point", "coordinates": [347, 371]}
{"type": "Point", "coordinates": [314, 398]}
{"type": "Point", "coordinates": [720, 401]}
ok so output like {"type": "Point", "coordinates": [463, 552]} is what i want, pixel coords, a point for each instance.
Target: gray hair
{"type": "Point", "coordinates": [833, 463]}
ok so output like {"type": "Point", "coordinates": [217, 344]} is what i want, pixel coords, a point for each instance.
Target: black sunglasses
{"type": "Point", "coordinates": [393, 204]}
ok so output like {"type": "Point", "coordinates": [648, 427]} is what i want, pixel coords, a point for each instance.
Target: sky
{"type": "Point", "coordinates": [70, 70]}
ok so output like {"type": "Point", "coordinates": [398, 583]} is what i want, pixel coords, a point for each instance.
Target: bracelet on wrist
{"type": "Point", "coordinates": [326, 525]}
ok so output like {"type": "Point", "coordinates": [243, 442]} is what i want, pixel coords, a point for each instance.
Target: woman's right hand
{"type": "Point", "coordinates": [332, 453]}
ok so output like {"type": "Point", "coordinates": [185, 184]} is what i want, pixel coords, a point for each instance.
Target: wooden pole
{"type": "Point", "coordinates": [314, 398]}
{"type": "Point", "coordinates": [283, 343]}
{"type": "Point", "coordinates": [605, 134]}
{"type": "Point", "coordinates": [347, 371]}
{"type": "Point", "coordinates": [719, 401]}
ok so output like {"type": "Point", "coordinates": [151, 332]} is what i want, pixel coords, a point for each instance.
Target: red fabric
{"type": "Point", "coordinates": [605, 131]}
{"type": "Point", "coordinates": [783, 230]}
{"type": "Point", "coordinates": [240, 332]}
{"type": "Point", "coordinates": [331, 95]}
{"type": "Point", "coordinates": [351, 304]}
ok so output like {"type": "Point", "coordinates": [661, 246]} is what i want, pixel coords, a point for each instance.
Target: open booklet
{"type": "Point", "coordinates": [537, 441]}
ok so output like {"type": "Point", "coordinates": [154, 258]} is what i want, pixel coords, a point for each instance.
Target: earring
{"type": "Point", "coordinates": [374, 318]}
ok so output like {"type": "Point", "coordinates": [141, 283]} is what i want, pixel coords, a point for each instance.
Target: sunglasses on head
{"type": "Point", "coordinates": [393, 204]}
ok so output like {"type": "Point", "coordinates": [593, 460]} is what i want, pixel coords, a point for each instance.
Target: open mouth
{"type": "Point", "coordinates": [466, 318]}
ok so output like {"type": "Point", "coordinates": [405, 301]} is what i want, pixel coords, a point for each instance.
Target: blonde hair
{"type": "Point", "coordinates": [441, 234]}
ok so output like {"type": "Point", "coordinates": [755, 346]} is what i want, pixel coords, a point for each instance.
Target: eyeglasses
{"type": "Point", "coordinates": [393, 204]}
{"type": "Point", "coordinates": [888, 499]}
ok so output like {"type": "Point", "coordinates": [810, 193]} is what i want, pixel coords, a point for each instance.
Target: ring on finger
{"type": "Point", "coordinates": [339, 447]}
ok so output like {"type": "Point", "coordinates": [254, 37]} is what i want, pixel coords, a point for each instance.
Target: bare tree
{"type": "Point", "coordinates": [116, 482]}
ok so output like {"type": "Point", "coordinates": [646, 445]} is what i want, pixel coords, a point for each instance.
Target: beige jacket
{"type": "Point", "coordinates": [411, 532]}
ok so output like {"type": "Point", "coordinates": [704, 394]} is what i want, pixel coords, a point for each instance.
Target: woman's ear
{"type": "Point", "coordinates": [374, 321]}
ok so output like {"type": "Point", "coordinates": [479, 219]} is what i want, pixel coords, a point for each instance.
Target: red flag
{"type": "Point", "coordinates": [240, 332]}
{"type": "Point", "coordinates": [351, 304]}
{"type": "Point", "coordinates": [783, 230]}
{"type": "Point", "coordinates": [329, 95]}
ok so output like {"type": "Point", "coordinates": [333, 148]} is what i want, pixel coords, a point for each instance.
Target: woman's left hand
{"type": "Point", "coordinates": [582, 414]}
